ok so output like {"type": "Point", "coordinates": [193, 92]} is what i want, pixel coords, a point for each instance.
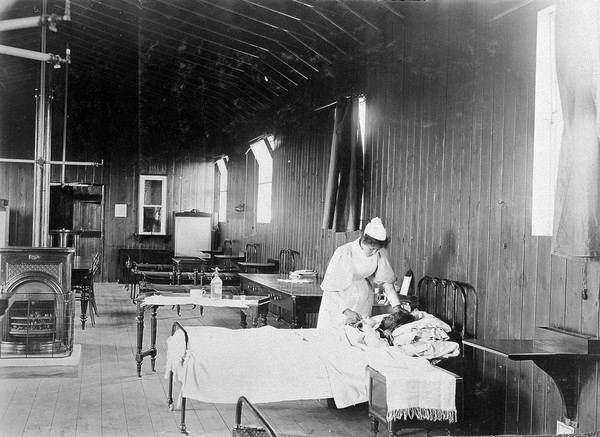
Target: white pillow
{"type": "Point", "coordinates": [428, 321]}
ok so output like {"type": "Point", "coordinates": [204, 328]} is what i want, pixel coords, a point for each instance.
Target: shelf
{"type": "Point", "coordinates": [555, 351]}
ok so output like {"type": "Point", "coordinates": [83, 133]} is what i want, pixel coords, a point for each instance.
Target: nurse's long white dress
{"type": "Point", "coordinates": [346, 283]}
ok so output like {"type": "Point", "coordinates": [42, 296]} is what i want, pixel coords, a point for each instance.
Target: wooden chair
{"type": "Point", "coordinates": [252, 254]}
{"type": "Point", "coordinates": [95, 269]}
{"type": "Point", "coordinates": [227, 247]}
{"type": "Point", "coordinates": [83, 286]}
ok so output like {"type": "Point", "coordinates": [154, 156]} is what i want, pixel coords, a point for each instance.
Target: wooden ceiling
{"type": "Point", "coordinates": [205, 65]}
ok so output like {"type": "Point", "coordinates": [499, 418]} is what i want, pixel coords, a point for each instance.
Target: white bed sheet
{"type": "Point", "coordinates": [273, 365]}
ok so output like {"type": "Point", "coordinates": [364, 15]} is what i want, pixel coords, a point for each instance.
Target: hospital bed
{"type": "Point", "coordinates": [307, 364]}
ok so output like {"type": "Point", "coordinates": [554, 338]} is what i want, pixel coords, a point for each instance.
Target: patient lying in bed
{"type": "Point", "coordinates": [416, 334]}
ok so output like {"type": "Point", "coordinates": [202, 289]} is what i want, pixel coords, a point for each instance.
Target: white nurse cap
{"type": "Point", "coordinates": [376, 230]}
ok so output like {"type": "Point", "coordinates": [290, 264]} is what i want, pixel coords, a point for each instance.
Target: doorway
{"type": "Point", "coordinates": [80, 208]}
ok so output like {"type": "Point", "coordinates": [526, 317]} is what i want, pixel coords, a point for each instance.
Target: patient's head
{"type": "Point", "coordinates": [391, 322]}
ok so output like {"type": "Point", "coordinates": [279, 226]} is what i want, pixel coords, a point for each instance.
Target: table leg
{"type": "Point", "coordinates": [374, 425]}
{"type": "Point", "coordinates": [261, 314]}
{"type": "Point", "coordinates": [153, 340]}
{"type": "Point", "coordinates": [140, 337]}
{"type": "Point", "coordinates": [85, 297]}
{"type": "Point", "coordinates": [134, 288]}
{"type": "Point", "coordinates": [243, 322]}
{"type": "Point", "coordinates": [295, 319]}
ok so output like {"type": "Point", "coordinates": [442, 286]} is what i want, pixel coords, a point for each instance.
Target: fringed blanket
{"type": "Point", "coordinates": [426, 394]}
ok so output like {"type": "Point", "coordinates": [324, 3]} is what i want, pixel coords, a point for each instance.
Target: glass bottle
{"type": "Point", "coordinates": [216, 286]}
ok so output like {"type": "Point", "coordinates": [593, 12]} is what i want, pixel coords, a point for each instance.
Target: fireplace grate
{"type": "Point", "coordinates": [36, 325]}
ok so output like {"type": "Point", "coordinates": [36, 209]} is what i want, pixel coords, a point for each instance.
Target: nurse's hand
{"type": "Point", "coordinates": [352, 316]}
{"type": "Point", "coordinates": [399, 309]}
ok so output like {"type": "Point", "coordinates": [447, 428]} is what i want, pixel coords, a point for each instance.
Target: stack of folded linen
{"type": "Point", "coordinates": [303, 274]}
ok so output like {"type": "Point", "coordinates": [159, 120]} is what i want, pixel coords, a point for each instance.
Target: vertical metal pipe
{"type": "Point", "coordinates": [40, 143]}
{"type": "Point", "coordinates": [140, 81]}
{"type": "Point", "coordinates": [65, 119]}
{"type": "Point", "coordinates": [37, 175]}
{"type": "Point", "coordinates": [46, 174]}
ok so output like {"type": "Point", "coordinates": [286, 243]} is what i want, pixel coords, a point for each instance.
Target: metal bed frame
{"type": "Point", "coordinates": [456, 304]}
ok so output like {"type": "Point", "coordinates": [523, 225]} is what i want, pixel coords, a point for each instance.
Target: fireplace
{"type": "Point", "coordinates": [36, 302]}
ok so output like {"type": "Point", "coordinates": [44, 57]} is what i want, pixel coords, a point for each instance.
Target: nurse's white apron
{"type": "Point", "coordinates": [348, 263]}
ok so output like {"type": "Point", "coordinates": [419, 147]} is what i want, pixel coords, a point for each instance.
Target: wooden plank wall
{"type": "Point", "coordinates": [449, 168]}
{"type": "Point", "coordinates": [190, 185]}
{"type": "Point", "coordinates": [300, 173]}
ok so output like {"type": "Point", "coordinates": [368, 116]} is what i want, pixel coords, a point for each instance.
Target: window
{"type": "Point", "coordinates": [262, 151]}
{"type": "Point", "coordinates": [152, 211]}
{"type": "Point", "coordinates": [222, 200]}
{"type": "Point", "coordinates": [362, 122]}
{"type": "Point", "coordinates": [548, 126]}
{"type": "Point", "coordinates": [362, 118]}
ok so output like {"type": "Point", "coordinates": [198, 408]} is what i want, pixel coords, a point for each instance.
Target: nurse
{"type": "Point", "coordinates": [347, 284]}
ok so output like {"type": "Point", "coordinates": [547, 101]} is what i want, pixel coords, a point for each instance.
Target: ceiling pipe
{"type": "Point", "coordinates": [30, 54]}
{"type": "Point", "coordinates": [49, 21]}
{"type": "Point", "coordinates": [41, 162]}
{"type": "Point", "coordinates": [24, 23]}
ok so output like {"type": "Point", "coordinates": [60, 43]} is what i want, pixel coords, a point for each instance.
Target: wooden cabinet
{"type": "Point", "coordinates": [296, 303]}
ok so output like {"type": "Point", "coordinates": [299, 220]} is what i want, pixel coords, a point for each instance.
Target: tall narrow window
{"type": "Point", "coordinates": [265, 179]}
{"type": "Point", "coordinates": [152, 208]}
{"type": "Point", "coordinates": [222, 201]}
{"type": "Point", "coordinates": [362, 122]}
{"type": "Point", "coordinates": [548, 126]}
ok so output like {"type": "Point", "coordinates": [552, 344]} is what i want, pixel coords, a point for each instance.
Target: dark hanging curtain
{"type": "Point", "coordinates": [344, 184]}
{"type": "Point", "coordinates": [577, 216]}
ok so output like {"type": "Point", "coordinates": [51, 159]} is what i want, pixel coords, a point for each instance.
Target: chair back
{"type": "Point", "coordinates": [252, 252]}
{"type": "Point", "coordinates": [227, 247]}
{"type": "Point", "coordinates": [287, 260]}
{"type": "Point", "coordinates": [95, 263]}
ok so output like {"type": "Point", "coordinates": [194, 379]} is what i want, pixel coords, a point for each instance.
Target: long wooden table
{"type": "Point", "coordinates": [176, 295]}
{"type": "Point", "coordinates": [295, 302]}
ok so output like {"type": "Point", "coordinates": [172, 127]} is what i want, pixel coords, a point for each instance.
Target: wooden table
{"type": "Point", "coordinates": [295, 302]}
{"type": "Point", "coordinates": [212, 254]}
{"type": "Point", "coordinates": [189, 264]}
{"type": "Point", "coordinates": [250, 267]}
{"type": "Point", "coordinates": [558, 353]}
{"type": "Point", "coordinates": [234, 259]}
{"type": "Point", "coordinates": [254, 306]}
{"type": "Point", "coordinates": [81, 279]}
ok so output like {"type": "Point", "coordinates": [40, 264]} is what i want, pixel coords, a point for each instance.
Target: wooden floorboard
{"type": "Point", "coordinates": [107, 399]}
